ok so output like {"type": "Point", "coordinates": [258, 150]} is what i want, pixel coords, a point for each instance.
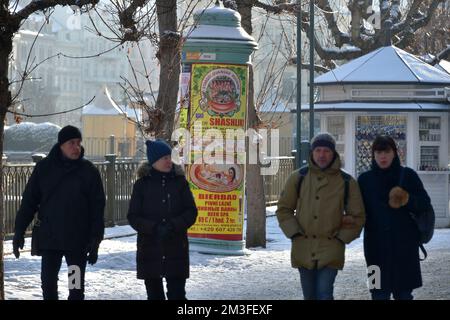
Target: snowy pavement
{"type": "Point", "coordinates": [263, 274]}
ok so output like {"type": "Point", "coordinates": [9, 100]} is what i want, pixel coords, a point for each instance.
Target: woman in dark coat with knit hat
{"type": "Point", "coordinates": [391, 238]}
{"type": "Point", "coordinates": [161, 210]}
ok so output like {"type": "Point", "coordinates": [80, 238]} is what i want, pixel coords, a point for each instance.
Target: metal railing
{"type": "Point", "coordinates": [118, 178]}
{"type": "Point", "coordinates": [273, 184]}
{"type": "Point", "coordinates": [15, 178]}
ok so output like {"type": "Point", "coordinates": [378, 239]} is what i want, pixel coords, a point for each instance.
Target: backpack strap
{"type": "Point", "coordinates": [400, 184]}
{"type": "Point", "coordinates": [402, 177]}
{"type": "Point", "coordinates": [301, 175]}
{"type": "Point", "coordinates": [425, 254]}
{"type": "Point", "coordinates": [346, 178]}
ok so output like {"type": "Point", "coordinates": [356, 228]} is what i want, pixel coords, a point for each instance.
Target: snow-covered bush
{"type": "Point", "coordinates": [29, 136]}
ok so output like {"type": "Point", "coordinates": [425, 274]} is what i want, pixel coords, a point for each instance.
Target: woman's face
{"type": "Point", "coordinates": [164, 164]}
{"type": "Point", "coordinates": [231, 175]}
{"type": "Point", "coordinates": [384, 158]}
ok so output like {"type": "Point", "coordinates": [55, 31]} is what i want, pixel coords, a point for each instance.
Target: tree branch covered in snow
{"type": "Point", "coordinates": [41, 5]}
{"type": "Point", "coordinates": [340, 37]}
{"type": "Point", "coordinates": [329, 54]}
{"type": "Point", "coordinates": [404, 33]}
{"type": "Point", "coordinates": [230, 4]}
{"type": "Point", "coordinates": [366, 30]}
{"type": "Point", "coordinates": [305, 66]}
{"type": "Point", "coordinates": [279, 8]}
{"type": "Point", "coordinates": [128, 22]}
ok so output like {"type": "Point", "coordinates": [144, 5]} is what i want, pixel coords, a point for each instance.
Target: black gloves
{"type": "Point", "coordinates": [165, 231]}
{"type": "Point", "coordinates": [92, 251]}
{"type": "Point", "coordinates": [18, 242]}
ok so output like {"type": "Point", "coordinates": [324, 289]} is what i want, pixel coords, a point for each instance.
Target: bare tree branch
{"type": "Point", "coordinates": [279, 8]}
{"type": "Point", "coordinates": [42, 5]}
{"type": "Point", "coordinates": [340, 37]}
{"type": "Point", "coordinates": [51, 114]}
{"type": "Point", "coordinates": [406, 32]}
{"type": "Point", "coordinates": [415, 19]}
{"type": "Point", "coordinates": [318, 68]}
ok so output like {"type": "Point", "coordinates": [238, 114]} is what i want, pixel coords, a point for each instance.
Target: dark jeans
{"type": "Point", "coordinates": [175, 289]}
{"type": "Point", "coordinates": [318, 284]}
{"type": "Point", "coordinates": [50, 266]}
{"type": "Point", "coordinates": [379, 294]}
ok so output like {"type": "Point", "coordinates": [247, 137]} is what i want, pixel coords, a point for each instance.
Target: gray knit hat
{"type": "Point", "coordinates": [323, 139]}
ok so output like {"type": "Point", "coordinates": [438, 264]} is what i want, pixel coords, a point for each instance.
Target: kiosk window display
{"type": "Point", "coordinates": [430, 128]}
{"type": "Point", "coordinates": [429, 141]}
{"type": "Point", "coordinates": [429, 158]}
{"type": "Point", "coordinates": [368, 127]}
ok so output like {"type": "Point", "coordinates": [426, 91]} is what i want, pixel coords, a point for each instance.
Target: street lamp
{"type": "Point", "coordinates": [300, 152]}
{"type": "Point", "coordinates": [299, 85]}
{"type": "Point", "coordinates": [311, 69]}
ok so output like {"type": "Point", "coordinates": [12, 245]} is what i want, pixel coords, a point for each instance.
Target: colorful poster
{"type": "Point", "coordinates": [185, 78]}
{"type": "Point", "coordinates": [218, 192]}
{"type": "Point", "coordinates": [219, 95]}
{"type": "Point", "coordinates": [218, 101]}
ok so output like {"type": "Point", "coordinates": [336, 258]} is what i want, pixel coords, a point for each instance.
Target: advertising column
{"type": "Point", "coordinates": [216, 56]}
{"type": "Point", "coordinates": [217, 173]}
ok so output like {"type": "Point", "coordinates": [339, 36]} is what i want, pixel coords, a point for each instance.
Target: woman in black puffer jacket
{"type": "Point", "coordinates": [161, 210]}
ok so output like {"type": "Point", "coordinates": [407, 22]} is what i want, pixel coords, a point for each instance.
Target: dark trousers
{"type": "Point", "coordinates": [50, 266]}
{"type": "Point", "coordinates": [175, 289]}
{"type": "Point", "coordinates": [380, 294]}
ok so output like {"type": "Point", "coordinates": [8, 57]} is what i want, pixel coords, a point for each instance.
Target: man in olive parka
{"type": "Point", "coordinates": [315, 220]}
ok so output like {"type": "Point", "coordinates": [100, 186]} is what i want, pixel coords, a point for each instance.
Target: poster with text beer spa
{"type": "Point", "coordinates": [218, 105]}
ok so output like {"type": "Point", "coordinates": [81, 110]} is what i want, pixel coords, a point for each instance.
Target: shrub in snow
{"type": "Point", "coordinates": [32, 137]}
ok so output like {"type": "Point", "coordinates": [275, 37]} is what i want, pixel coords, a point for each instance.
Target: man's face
{"type": "Point", "coordinates": [71, 149]}
{"type": "Point", "coordinates": [164, 164]}
{"type": "Point", "coordinates": [322, 156]}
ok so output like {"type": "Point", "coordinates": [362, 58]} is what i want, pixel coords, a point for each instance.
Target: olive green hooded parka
{"type": "Point", "coordinates": [317, 216]}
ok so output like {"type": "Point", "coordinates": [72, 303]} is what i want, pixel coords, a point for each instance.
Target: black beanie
{"type": "Point", "coordinates": [67, 133]}
{"type": "Point", "coordinates": [323, 139]}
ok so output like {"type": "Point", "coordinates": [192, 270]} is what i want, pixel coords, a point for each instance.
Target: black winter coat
{"type": "Point", "coordinates": [69, 198]}
{"type": "Point", "coordinates": [159, 197]}
{"type": "Point", "coordinates": [391, 238]}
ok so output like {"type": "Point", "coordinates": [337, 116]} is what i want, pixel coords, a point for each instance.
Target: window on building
{"type": "Point", "coordinates": [289, 91]}
{"type": "Point", "coordinates": [336, 126]}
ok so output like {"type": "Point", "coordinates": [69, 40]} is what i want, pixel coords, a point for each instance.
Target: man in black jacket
{"type": "Point", "coordinates": [66, 192]}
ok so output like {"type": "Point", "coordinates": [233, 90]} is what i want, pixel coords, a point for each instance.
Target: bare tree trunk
{"type": "Point", "coordinates": [5, 101]}
{"type": "Point", "coordinates": [256, 201]}
{"type": "Point", "coordinates": [356, 20]}
{"type": "Point", "coordinates": [256, 204]}
{"type": "Point", "coordinates": [169, 57]}
{"type": "Point", "coordinates": [2, 213]}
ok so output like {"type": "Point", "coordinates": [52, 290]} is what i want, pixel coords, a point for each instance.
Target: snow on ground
{"type": "Point", "coordinates": [259, 274]}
